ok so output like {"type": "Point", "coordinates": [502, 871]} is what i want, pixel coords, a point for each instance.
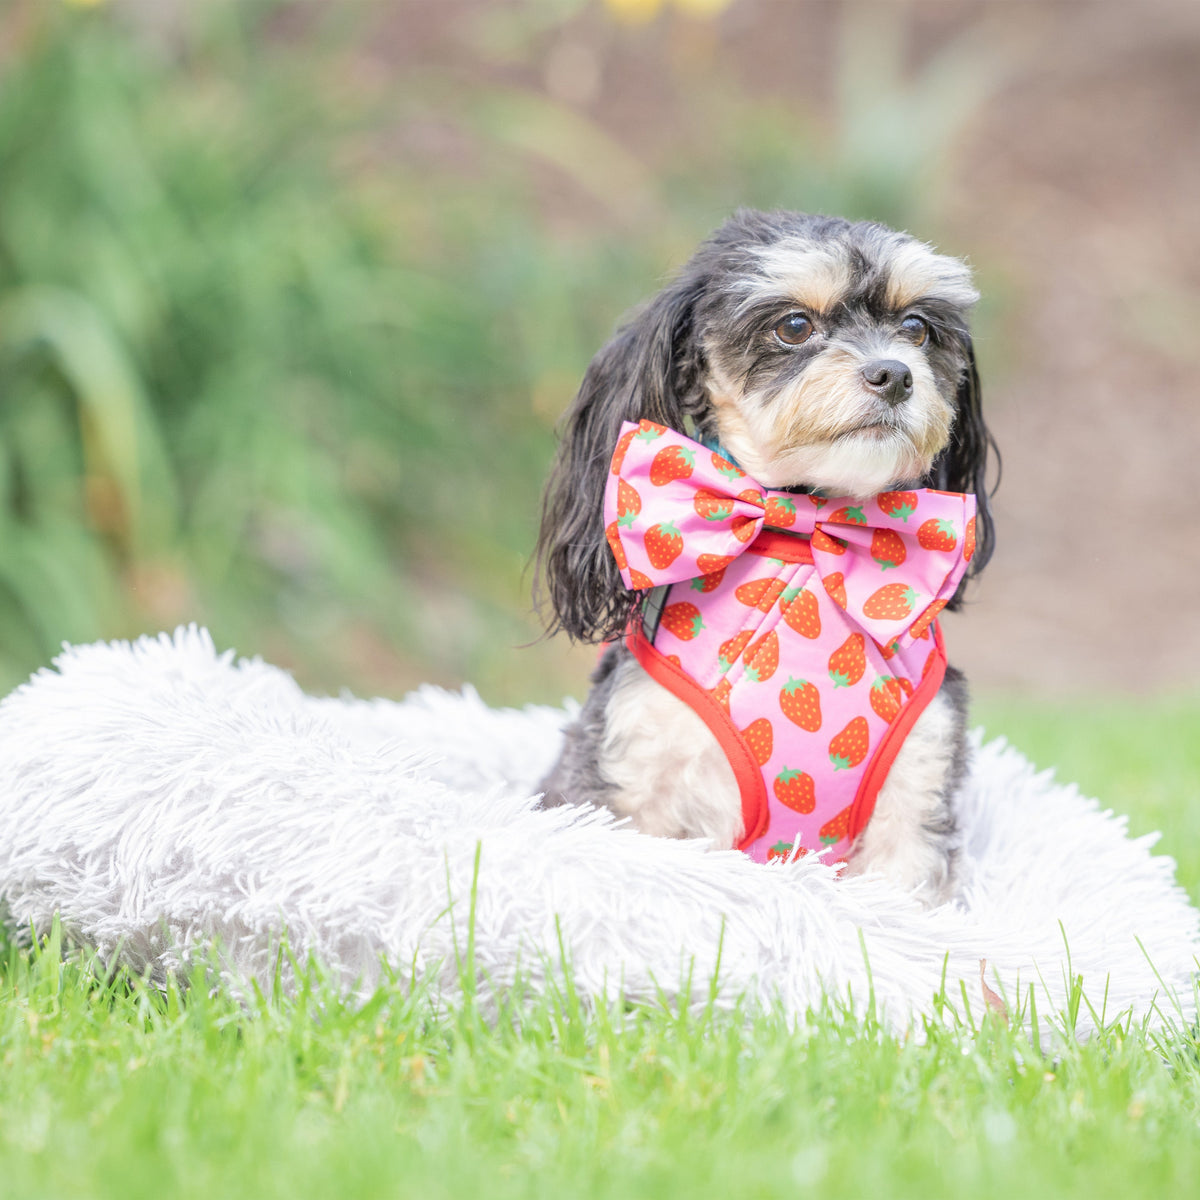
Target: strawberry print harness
{"type": "Point", "coordinates": [801, 629]}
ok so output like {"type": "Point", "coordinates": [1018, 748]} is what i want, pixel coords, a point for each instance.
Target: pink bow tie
{"type": "Point", "coordinates": [675, 510]}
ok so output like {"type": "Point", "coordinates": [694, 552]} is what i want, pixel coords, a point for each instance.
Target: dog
{"type": "Point", "coordinates": [817, 358]}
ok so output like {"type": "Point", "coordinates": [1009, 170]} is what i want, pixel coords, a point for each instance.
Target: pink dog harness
{"type": "Point", "coordinates": [797, 627]}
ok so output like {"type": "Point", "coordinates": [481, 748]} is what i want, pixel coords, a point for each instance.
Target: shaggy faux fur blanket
{"type": "Point", "coordinates": [163, 798]}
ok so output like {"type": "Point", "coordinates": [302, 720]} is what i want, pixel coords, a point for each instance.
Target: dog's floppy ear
{"type": "Point", "coordinates": [962, 466]}
{"type": "Point", "coordinates": [650, 368]}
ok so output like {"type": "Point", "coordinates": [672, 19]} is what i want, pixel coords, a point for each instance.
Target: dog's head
{"type": "Point", "coordinates": [823, 355]}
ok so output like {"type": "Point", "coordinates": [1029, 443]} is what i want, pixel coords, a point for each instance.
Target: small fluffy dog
{"type": "Point", "coordinates": [824, 358]}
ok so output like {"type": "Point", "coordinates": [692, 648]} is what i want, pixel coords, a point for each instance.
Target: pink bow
{"type": "Point", "coordinates": [675, 510]}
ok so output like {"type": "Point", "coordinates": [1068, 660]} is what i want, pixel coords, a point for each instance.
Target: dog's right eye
{"type": "Point", "coordinates": [794, 329]}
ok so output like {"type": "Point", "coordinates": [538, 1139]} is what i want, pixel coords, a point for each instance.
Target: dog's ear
{"type": "Point", "coordinates": [650, 368]}
{"type": "Point", "coordinates": [963, 465]}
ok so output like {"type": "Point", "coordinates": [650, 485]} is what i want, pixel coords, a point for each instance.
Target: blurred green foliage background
{"type": "Point", "coordinates": [292, 294]}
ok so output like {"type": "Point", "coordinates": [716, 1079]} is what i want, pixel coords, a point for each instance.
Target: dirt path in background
{"type": "Point", "coordinates": [1083, 179]}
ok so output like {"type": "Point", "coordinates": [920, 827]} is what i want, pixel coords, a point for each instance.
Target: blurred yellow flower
{"type": "Point", "coordinates": [702, 8]}
{"type": "Point", "coordinates": [638, 12]}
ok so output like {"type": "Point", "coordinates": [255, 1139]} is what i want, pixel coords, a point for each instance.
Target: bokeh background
{"type": "Point", "coordinates": [292, 296]}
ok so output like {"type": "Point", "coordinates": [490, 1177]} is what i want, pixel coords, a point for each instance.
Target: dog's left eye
{"type": "Point", "coordinates": [794, 329]}
{"type": "Point", "coordinates": [916, 329]}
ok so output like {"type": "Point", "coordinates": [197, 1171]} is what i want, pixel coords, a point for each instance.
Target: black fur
{"type": "Point", "coordinates": [577, 778]}
{"type": "Point", "coordinates": [651, 368]}
{"type": "Point", "coordinates": [963, 465]}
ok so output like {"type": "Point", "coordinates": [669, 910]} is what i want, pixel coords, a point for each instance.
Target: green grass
{"type": "Point", "coordinates": [116, 1089]}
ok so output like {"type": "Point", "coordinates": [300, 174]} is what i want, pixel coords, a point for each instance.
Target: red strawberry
{"type": "Point", "coordinates": [887, 697]}
{"type": "Point", "coordinates": [781, 511]}
{"type": "Point", "coordinates": [897, 504]}
{"type": "Point", "coordinates": [920, 627]}
{"type": "Point", "coordinates": [849, 747]}
{"type": "Point", "coordinates": [638, 581]}
{"type": "Point", "coordinates": [646, 430]}
{"type": "Point", "coordinates": [744, 528]}
{"type": "Point", "coordinates": [887, 548]}
{"type": "Point", "coordinates": [683, 620]}
{"type": "Point", "coordinates": [969, 542]}
{"type": "Point", "coordinates": [726, 467]}
{"type": "Point", "coordinates": [846, 516]}
{"type": "Point", "coordinates": [629, 504]}
{"type": "Point", "coordinates": [905, 686]}
{"type": "Point", "coordinates": [664, 544]}
{"type": "Point", "coordinates": [848, 662]}
{"type": "Point", "coordinates": [760, 593]}
{"type": "Point", "coordinates": [795, 789]}
{"type": "Point", "coordinates": [759, 738]}
{"type": "Point", "coordinates": [892, 602]}
{"type": "Point", "coordinates": [929, 663]}
{"type": "Point", "coordinates": [817, 501]}
{"type": "Point", "coordinates": [708, 583]}
{"type": "Point", "coordinates": [621, 450]}
{"type": "Point", "coordinates": [614, 544]}
{"type": "Point", "coordinates": [708, 563]}
{"type": "Point", "coordinates": [712, 506]}
{"type": "Point", "coordinates": [936, 534]}
{"type": "Point", "coordinates": [674, 659]}
{"type": "Point", "coordinates": [670, 463]}
{"type": "Point", "coordinates": [801, 612]}
{"type": "Point", "coordinates": [836, 828]}
{"type": "Point", "coordinates": [751, 496]}
{"type": "Point", "coordinates": [721, 693]}
{"type": "Point", "coordinates": [728, 654]}
{"type": "Point", "coordinates": [830, 545]}
{"type": "Point", "coordinates": [782, 850]}
{"type": "Point", "coordinates": [801, 704]}
{"type": "Point", "coordinates": [835, 585]}
{"type": "Point", "coordinates": [762, 658]}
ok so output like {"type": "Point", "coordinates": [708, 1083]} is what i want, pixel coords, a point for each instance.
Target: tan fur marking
{"type": "Point", "coordinates": [815, 277]}
{"type": "Point", "coordinates": [799, 436]}
{"type": "Point", "coordinates": [917, 271]}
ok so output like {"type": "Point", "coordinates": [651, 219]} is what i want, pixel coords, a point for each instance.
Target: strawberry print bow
{"type": "Point", "coordinates": [675, 510]}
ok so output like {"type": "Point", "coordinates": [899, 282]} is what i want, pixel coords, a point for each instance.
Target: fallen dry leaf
{"type": "Point", "coordinates": [991, 998]}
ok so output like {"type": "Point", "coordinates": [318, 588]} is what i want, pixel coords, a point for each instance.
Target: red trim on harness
{"type": "Point", "coordinates": [746, 770]}
{"type": "Point", "coordinates": [788, 547]}
{"type": "Point", "coordinates": [877, 770]}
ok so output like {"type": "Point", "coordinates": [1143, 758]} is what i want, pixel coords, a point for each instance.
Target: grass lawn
{"type": "Point", "coordinates": [117, 1090]}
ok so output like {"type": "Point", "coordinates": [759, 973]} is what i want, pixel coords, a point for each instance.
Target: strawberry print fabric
{"type": "Point", "coordinates": [803, 629]}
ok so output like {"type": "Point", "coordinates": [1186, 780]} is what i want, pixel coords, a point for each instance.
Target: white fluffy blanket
{"type": "Point", "coordinates": [163, 798]}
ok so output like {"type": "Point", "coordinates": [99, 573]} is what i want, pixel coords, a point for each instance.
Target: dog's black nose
{"type": "Point", "coordinates": [889, 378]}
